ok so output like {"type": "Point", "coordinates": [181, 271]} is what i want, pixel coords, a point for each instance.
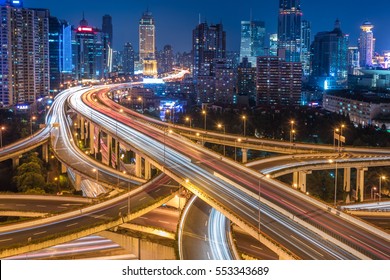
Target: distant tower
{"type": "Point", "coordinates": [147, 44]}
{"type": "Point", "coordinates": [366, 44]}
{"type": "Point", "coordinates": [107, 28]}
{"type": "Point", "coordinates": [289, 30]}
{"type": "Point", "coordinates": [305, 49]}
{"type": "Point", "coordinates": [128, 59]}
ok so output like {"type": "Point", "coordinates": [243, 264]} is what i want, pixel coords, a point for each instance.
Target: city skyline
{"type": "Point", "coordinates": [125, 17]}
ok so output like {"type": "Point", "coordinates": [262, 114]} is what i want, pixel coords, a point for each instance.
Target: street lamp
{"type": "Point", "coordinates": [188, 119]}
{"type": "Point", "coordinates": [224, 131]}
{"type": "Point", "coordinates": [140, 99]}
{"type": "Point", "coordinates": [335, 181]}
{"type": "Point", "coordinates": [235, 148]}
{"type": "Point", "coordinates": [292, 132]}
{"type": "Point", "coordinates": [1, 136]}
{"type": "Point", "coordinates": [33, 118]}
{"type": "Point", "coordinates": [244, 119]}
{"type": "Point", "coordinates": [205, 119]}
{"type": "Point", "coordinates": [380, 185]}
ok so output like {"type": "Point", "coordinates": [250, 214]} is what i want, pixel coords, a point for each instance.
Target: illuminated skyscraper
{"type": "Point", "coordinates": [252, 40]}
{"type": "Point", "coordinates": [90, 55]}
{"type": "Point", "coordinates": [289, 30]}
{"type": "Point", "coordinates": [147, 44]}
{"type": "Point", "coordinates": [305, 49]}
{"type": "Point", "coordinates": [366, 44]}
{"type": "Point", "coordinates": [24, 55]}
{"type": "Point", "coordinates": [208, 44]}
{"type": "Point", "coordinates": [330, 58]}
{"type": "Point", "coordinates": [60, 50]}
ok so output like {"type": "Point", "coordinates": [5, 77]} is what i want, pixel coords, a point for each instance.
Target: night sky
{"type": "Point", "coordinates": [176, 19]}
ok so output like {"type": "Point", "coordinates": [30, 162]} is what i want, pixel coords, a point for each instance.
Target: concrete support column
{"type": "Point", "coordinates": [148, 170]}
{"type": "Point", "coordinates": [63, 168]}
{"type": "Point", "coordinates": [244, 155]}
{"type": "Point", "coordinates": [360, 184]}
{"type": "Point", "coordinates": [77, 182]}
{"type": "Point", "coordinates": [45, 152]}
{"type": "Point", "coordinates": [82, 128]}
{"type": "Point", "coordinates": [302, 181]}
{"type": "Point", "coordinates": [295, 180]}
{"type": "Point", "coordinates": [91, 138]}
{"type": "Point", "coordinates": [347, 184]}
{"type": "Point", "coordinates": [15, 162]}
{"type": "Point", "coordinates": [138, 165]}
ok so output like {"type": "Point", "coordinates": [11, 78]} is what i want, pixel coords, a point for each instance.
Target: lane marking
{"type": "Point", "coordinates": [3, 240]}
{"type": "Point", "coordinates": [20, 204]}
{"type": "Point", "coordinates": [164, 222]}
{"type": "Point", "coordinates": [72, 225]}
{"type": "Point", "coordinates": [38, 233]}
{"type": "Point", "coordinates": [142, 198]}
{"type": "Point", "coordinates": [256, 247]}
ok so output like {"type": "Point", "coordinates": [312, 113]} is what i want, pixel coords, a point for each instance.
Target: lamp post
{"type": "Point", "coordinates": [380, 186]}
{"type": "Point", "coordinates": [140, 99]}
{"type": "Point", "coordinates": [188, 119]}
{"type": "Point", "coordinates": [335, 181]}
{"type": "Point", "coordinates": [224, 132]}
{"type": "Point", "coordinates": [235, 148]}
{"type": "Point", "coordinates": [292, 131]}
{"type": "Point", "coordinates": [373, 189]}
{"type": "Point", "coordinates": [1, 136]}
{"type": "Point", "coordinates": [205, 119]}
{"type": "Point", "coordinates": [244, 120]}
{"type": "Point", "coordinates": [33, 118]}
{"type": "Point", "coordinates": [341, 137]}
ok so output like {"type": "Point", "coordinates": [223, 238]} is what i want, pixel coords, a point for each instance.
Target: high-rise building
{"type": "Point", "coordinates": [278, 82]}
{"type": "Point", "coordinates": [305, 49]}
{"type": "Point", "coordinates": [353, 61]}
{"type": "Point", "coordinates": [147, 44]}
{"type": "Point", "coordinates": [60, 50]}
{"type": "Point", "coordinates": [252, 40]}
{"type": "Point", "coordinates": [273, 44]}
{"type": "Point", "coordinates": [90, 55]}
{"type": "Point", "coordinates": [128, 59]}
{"type": "Point", "coordinates": [108, 29]}
{"type": "Point", "coordinates": [224, 83]}
{"type": "Point", "coordinates": [208, 44]}
{"type": "Point", "coordinates": [289, 30]}
{"type": "Point", "coordinates": [246, 81]}
{"type": "Point", "coordinates": [24, 55]}
{"type": "Point", "coordinates": [330, 65]}
{"type": "Point", "coordinates": [366, 44]}
{"type": "Point", "coordinates": [166, 59]}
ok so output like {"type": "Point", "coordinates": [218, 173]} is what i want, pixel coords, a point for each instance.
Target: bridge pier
{"type": "Point", "coordinates": [45, 152]}
{"type": "Point", "coordinates": [138, 165]}
{"type": "Point", "coordinates": [91, 135]}
{"type": "Point", "coordinates": [63, 168]}
{"type": "Point", "coordinates": [15, 162]}
{"type": "Point", "coordinates": [77, 183]}
{"type": "Point", "coordinates": [82, 128]}
{"type": "Point", "coordinates": [347, 184]}
{"type": "Point", "coordinates": [302, 181]}
{"type": "Point", "coordinates": [148, 170]}
{"type": "Point", "coordinates": [360, 184]}
{"type": "Point", "coordinates": [295, 180]}
{"type": "Point", "coordinates": [244, 155]}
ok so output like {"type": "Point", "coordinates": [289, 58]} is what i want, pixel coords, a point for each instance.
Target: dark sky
{"type": "Point", "coordinates": [175, 19]}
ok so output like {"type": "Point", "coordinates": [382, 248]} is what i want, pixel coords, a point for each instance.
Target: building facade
{"type": "Point", "coordinates": [246, 82]}
{"type": "Point", "coordinates": [252, 40]}
{"type": "Point", "coordinates": [278, 82]}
